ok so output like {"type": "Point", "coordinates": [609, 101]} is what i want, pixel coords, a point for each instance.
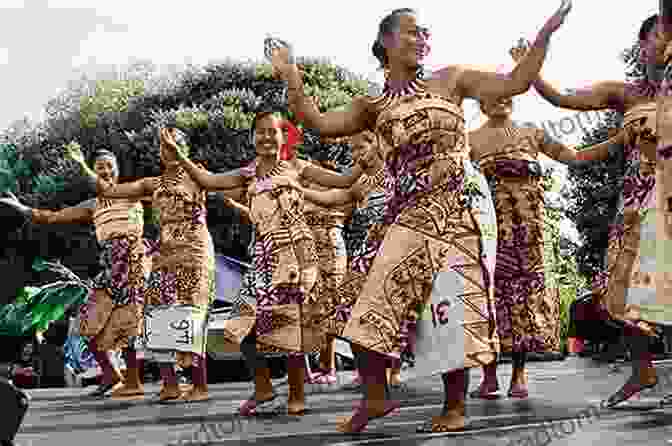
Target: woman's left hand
{"type": "Point", "coordinates": [169, 141]}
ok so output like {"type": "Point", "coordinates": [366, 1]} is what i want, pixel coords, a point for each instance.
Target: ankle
{"type": "Point", "coordinates": [454, 407]}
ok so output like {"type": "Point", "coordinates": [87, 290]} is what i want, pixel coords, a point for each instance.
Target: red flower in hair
{"type": "Point", "coordinates": [294, 137]}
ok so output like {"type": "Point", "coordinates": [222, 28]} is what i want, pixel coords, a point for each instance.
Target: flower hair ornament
{"type": "Point", "coordinates": [294, 137]}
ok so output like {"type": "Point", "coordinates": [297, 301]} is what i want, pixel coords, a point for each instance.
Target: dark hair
{"type": "Point", "coordinates": [388, 25]}
{"type": "Point", "coordinates": [103, 152]}
{"type": "Point", "coordinates": [647, 26]}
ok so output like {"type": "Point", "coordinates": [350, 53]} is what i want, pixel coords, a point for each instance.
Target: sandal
{"type": "Point", "coordinates": [626, 392]}
{"type": "Point", "coordinates": [360, 418]}
{"type": "Point", "coordinates": [249, 407]}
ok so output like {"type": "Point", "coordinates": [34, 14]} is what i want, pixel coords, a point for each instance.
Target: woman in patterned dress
{"type": "Point", "coordinates": [112, 316]}
{"type": "Point", "coordinates": [183, 270]}
{"type": "Point", "coordinates": [625, 284]}
{"type": "Point", "coordinates": [526, 300]}
{"type": "Point", "coordinates": [438, 206]}
{"type": "Point", "coordinates": [368, 194]}
{"type": "Point", "coordinates": [663, 304]}
{"type": "Point", "coordinates": [327, 224]}
{"type": "Point", "coordinates": [284, 317]}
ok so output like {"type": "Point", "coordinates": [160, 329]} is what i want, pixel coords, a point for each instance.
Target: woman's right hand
{"type": "Point", "coordinates": [519, 51]}
{"type": "Point", "coordinates": [74, 152]}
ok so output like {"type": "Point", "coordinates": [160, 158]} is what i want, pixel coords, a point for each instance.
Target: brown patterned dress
{"type": "Point", "coordinates": [284, 312]}
{"type": "Point", "coordinates": [441, 221]}
{"type": "Point", "coordinates": [627, 282]}
{"type": "Point", "coordinates": [371, 210]}
{"type": "Point", "coordinates": [114, 315]}
{"type": "Point", "coordinates": [526, 299]}
{"type": "Point", "coordinates": [328, 226]}
{"type": "Point", "coordinates": [183, 270]}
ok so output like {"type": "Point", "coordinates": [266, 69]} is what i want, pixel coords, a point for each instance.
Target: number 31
{"type": "Point", "coordinates": [440, 312]}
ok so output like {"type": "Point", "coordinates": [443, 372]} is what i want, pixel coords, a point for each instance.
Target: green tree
{"type": "Point", "coordinates": [122, 111]}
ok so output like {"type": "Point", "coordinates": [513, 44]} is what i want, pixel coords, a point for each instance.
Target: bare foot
{"type": "Point", "coordinates": [296, 407]}
{"type": "Point", "coordinates": [448, 423]}
{"type": "Point", "coordinates": [395, 380]}
{"type": "Point", "coordinates": [263, 396]}
{"type": "Point", "coordinates": [362, 415]}
{"type": "Point", "coordinates": [169, 393]}
{"type": "Point", "coordinates": [197, 393]}
{"type": "Point", "coordinates": [126, 391]}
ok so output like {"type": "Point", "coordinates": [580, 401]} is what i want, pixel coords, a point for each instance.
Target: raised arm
{"type": "Point", "coordinates": [328, 198]}
{"type": "Point", "coordinates": [327, 178]}
{"type": "Point", "coordinates": [82, 213]}
{"type": "Point", "coordinates": [598, 96]}
{"type": "Point", "coordinates": [354, 118]}
{"type": "Point", "coordinates": [576, 158]}
{"type": "Point", "coordinates": [207, 180]}
{"type": "Point", "coordinates": [136, 189]}
{"type": "Point", "coordinates": [224, 197]}
{"type": "Point", "coordinates": [480, 84]}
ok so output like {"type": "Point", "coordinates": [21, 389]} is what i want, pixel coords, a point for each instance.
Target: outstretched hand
{"type": "Point", "coordinates": [168, 140]}
{"type": "Point", "coordinates": [74, 151]}
{"type": "Point", "coordinates": [521, 49]}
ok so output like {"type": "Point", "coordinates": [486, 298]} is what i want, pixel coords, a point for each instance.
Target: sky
{"type": "Point", "coordinates": [44, 43]}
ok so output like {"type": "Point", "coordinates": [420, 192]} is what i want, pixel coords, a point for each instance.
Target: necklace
{"type": "Point", "coordinates": [394, 88]}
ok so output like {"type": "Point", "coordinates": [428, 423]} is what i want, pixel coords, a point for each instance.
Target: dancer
{"type": "Point", "coordinates": [434, 197]}
{"type": "Point", "coordinates": [527, 304]}
{"type": "Point", "coordinates": [660, 311]}
{"type": "Point", "coordinates": [183, 270]}
{"type": "Point", "coordinates": [368, 193]}
{"type": "Point", "coordinates": [285, 266]}
{"type": "Point", "coordinates": [112, 317]}
{"type": "Point", "coordinates": [327, 224]}
{"type": "Point", "coordinates": [618, 285]}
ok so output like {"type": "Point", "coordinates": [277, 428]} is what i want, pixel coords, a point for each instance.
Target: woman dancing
{"type": "Point", "coordinates": [438, 206]}
{"type": "Point", "coordinates": [327, 224]}
{"type": "Point", "coordinates": [368, 194]}
{"type": "Point", "coordinates": [285, 264]}
{"type": "Point", "coordinates": [527, 303]}
{"type": "Point", "coordinates": [183, 270]}
{"type": "Point", "coordinates": [112, 316]}
{"type": "Point", "coordinates": [619, 286]}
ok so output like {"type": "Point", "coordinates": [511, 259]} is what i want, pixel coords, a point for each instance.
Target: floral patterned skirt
{"type": "Point", "coordinates": [286, 316]}
{"type": "Point", "coordinates": [113, 311]}
{"type": "Point", "coordinates": [526, 301]}
{"type": "Point", "coordinates": [333, 262]}
{"type": "Point", "coordinates": [436, 233]}
{"type": "Point", "coordinates": [184, 276]}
